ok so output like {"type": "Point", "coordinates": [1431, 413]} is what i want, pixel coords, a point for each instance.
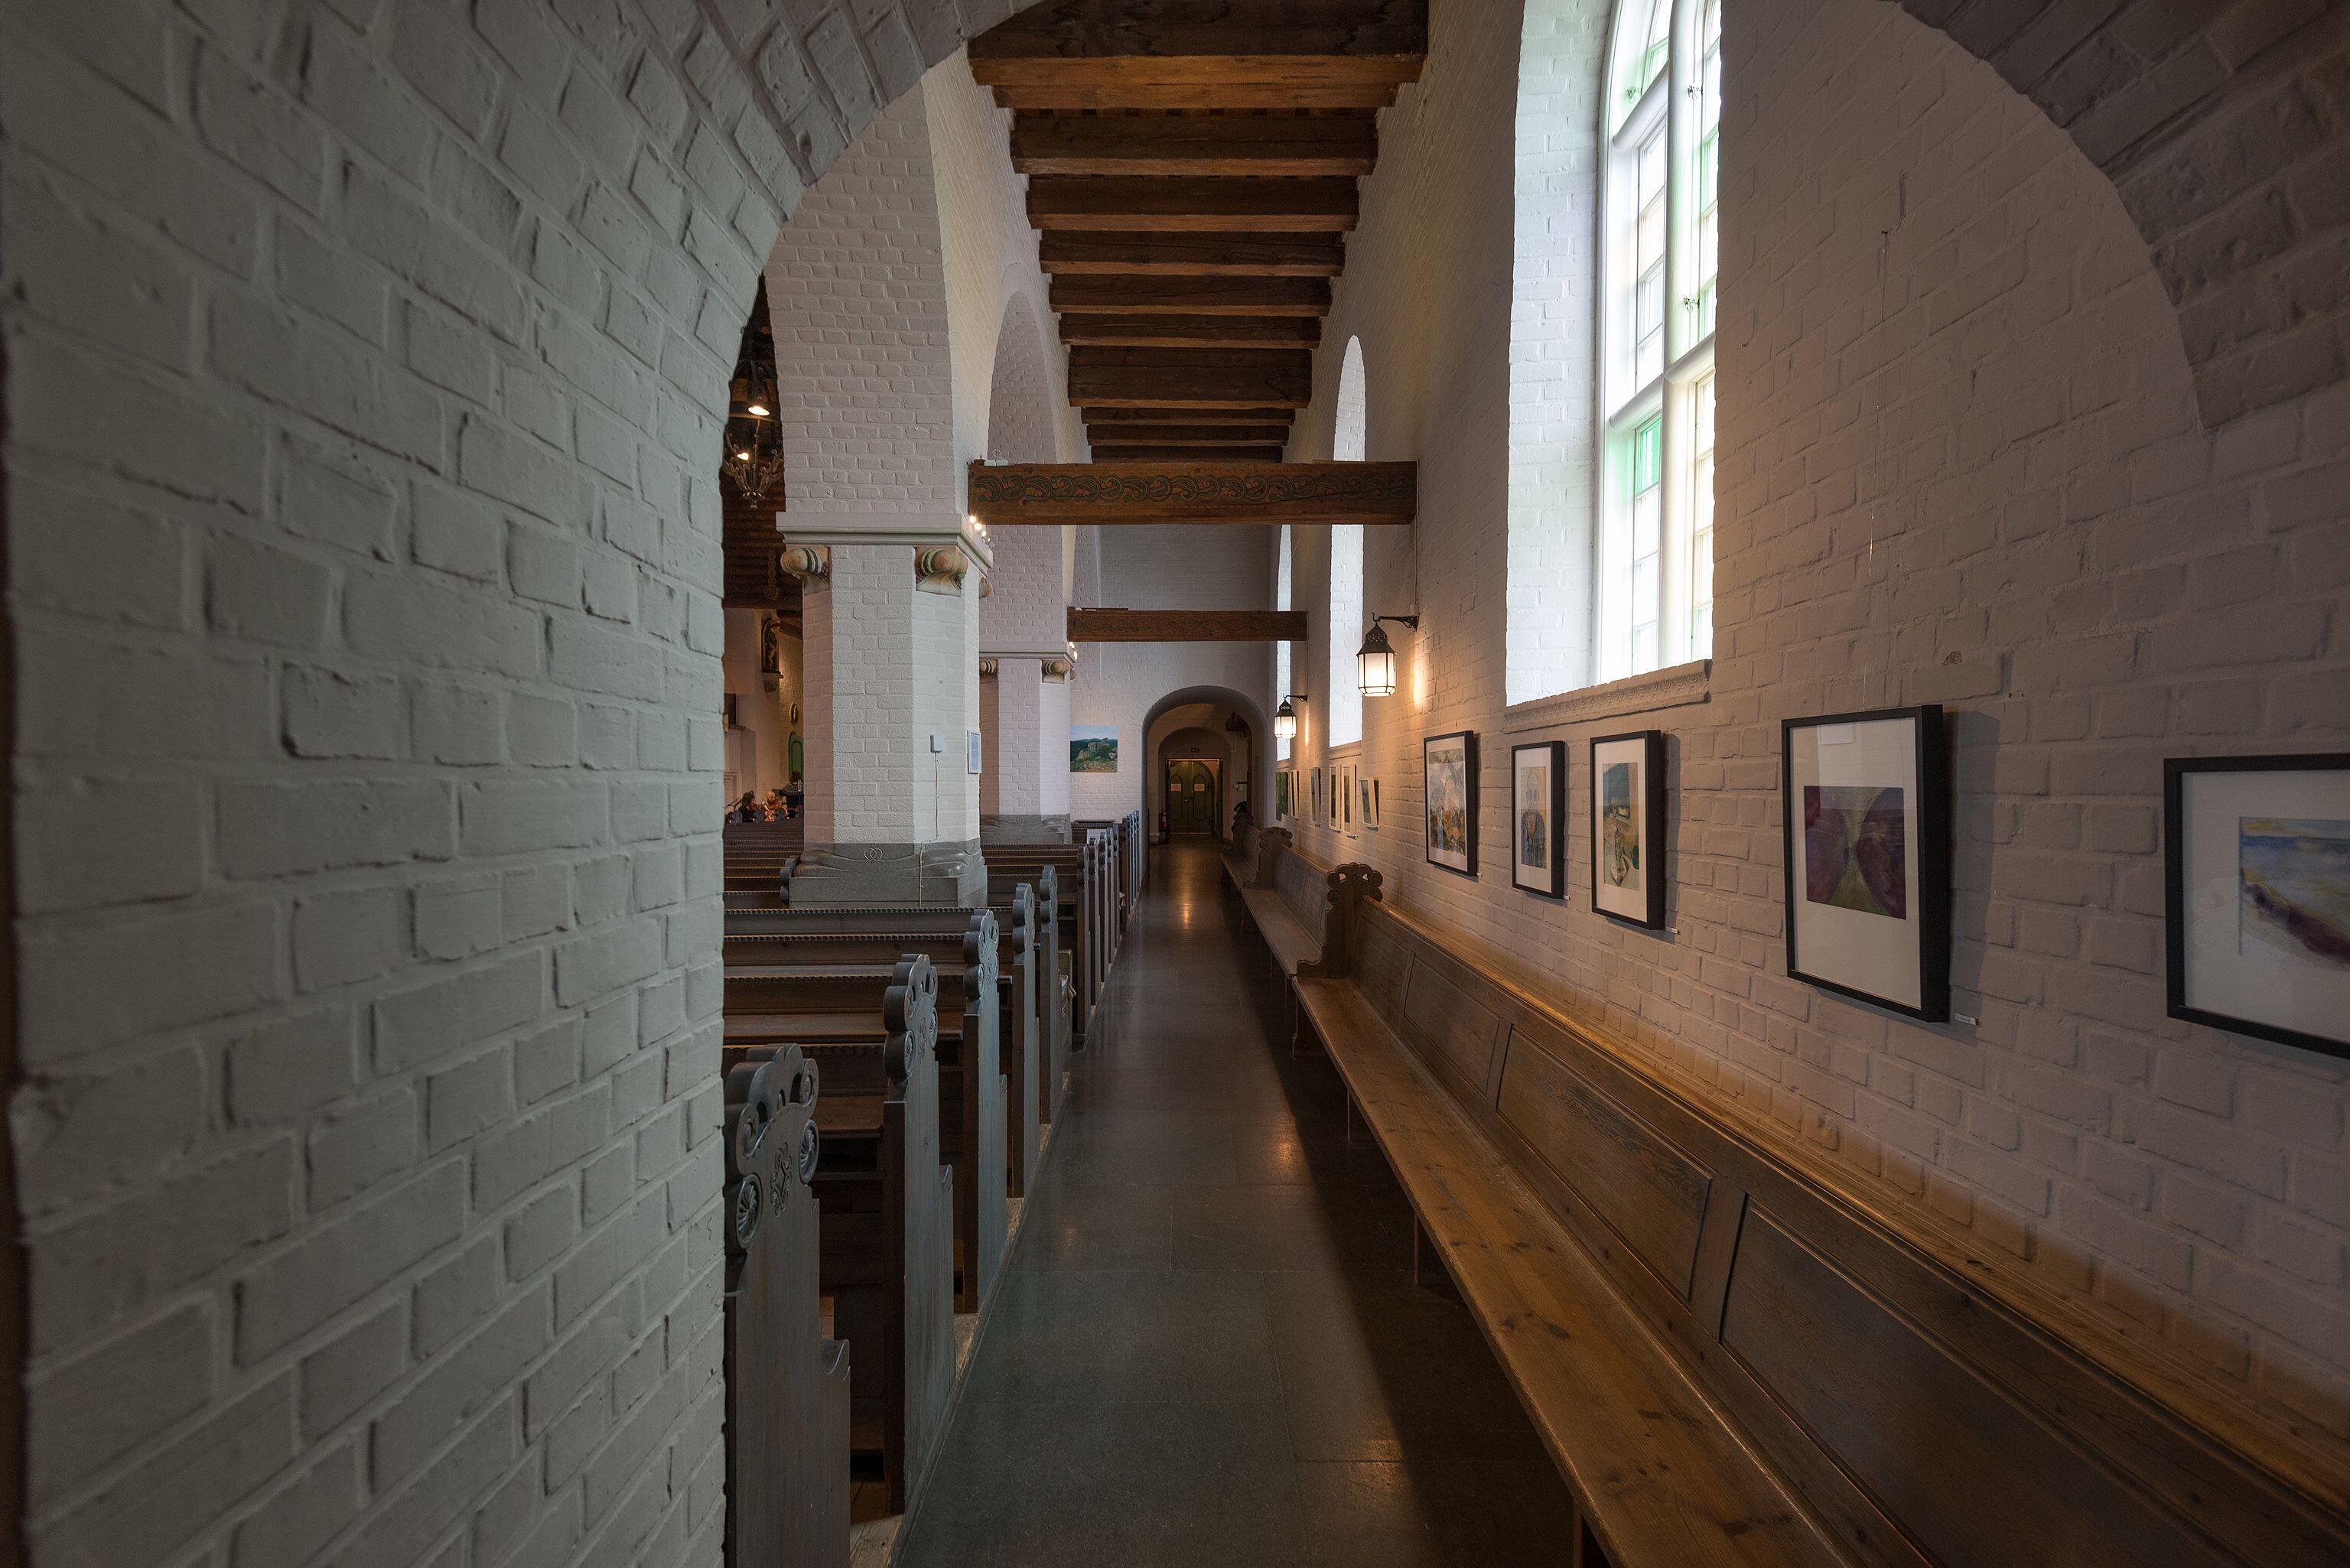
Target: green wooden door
{"type": "Point", "coordinates": [1191, 797]}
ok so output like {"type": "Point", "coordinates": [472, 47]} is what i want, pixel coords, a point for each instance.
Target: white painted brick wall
{"type": "Point", "coordinates": [1960, 462]}
{"type": "Point", "coordinates": [366, 755]}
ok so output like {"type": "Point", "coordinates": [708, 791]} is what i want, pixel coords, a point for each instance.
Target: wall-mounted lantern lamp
{"type": "Point", "coordinates": [1284, 718]}
{"type": "Point", "coordinates": [1375, 666]}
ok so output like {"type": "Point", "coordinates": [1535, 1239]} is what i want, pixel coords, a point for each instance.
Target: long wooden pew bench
{"type": "Point", "coordinates": [1286, 895]}
{"type": "Point", "coordinates": [886, 1206]}
{"type": "Point", "coordinates": [838, 1014]}
{"type": "Point", "coordinates": [788, 1391]}
{"type": "Point", "coordinates": [1048, 1047]}
{"type": "Point", "coordinates": [1077, 882]}
{"type": "Point", "coordinates": [1739, 1355]}
{"type": "Point", "coordinates": [945, 943]}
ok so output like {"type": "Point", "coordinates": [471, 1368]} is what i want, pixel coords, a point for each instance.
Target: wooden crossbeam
{"type": "Point", "coordinates": [1192, 331]}
{"type": "Point", "coordinates": [1192, 296]}
{"type": "Point", "coordinates": [1237, 206]}
{"type": "Point", "coordinates": [1177, 54]}
{"type": "Point", "coordinates": [1190, 378]}
{"type": "Point", "coordinates": [1078, 252]}
{"type": "Point", "coordinates": [1175, 145]}
{"type": "Point", "coordinates": [1284, 417]}
{"type": "Point", "coordinates": [1205, 433]}
{"type": "Point", "coordinates": [1011, 494]}
{"type": "Point", "coordinates": [1161, 455]}
{"type": "Point", "coordinates": [1186, 626]}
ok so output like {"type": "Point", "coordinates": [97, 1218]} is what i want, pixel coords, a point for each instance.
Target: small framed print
{"type": "Point", "coordinates": [976, 749]}
{"type": "Point", "coordinates": [1868, 804]}
{"type": "Point", "coordinates": [1628, 829]}
{"type": "Point", "coordinates": [1366, 801]}
{"type": "Point", "coordinates": [2256, 872]}
{"type": "Point", "coordinates": [1346, 815]}
{"type": "Point", "coordinates": [1316, 817]}
{"type": "Point", "coordinates": [1538, 818]}
{"type": "Point", "coordinates": [1281, 795]}
{"type": "Point", "coordinates": [1450, 763]}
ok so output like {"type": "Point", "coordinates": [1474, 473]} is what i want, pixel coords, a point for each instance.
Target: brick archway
{"type": "Point", "coordinates": [2221, 127]}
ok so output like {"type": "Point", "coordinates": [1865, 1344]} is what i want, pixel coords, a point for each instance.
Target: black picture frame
{"type": "Point", "coordinates": [1928, 827]}
{"type": "Point", "coordinates": [1468, 739]}
{"type": "Point", "coordinates": [1652, 827]}
{"type": "Point", "coordinates": [1550, 882]}
{"type": "Point", "coordinates": [2177, 922]}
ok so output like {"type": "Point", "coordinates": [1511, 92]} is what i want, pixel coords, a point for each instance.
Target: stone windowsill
{"type": "Point", "coordinates": [1675, 686]}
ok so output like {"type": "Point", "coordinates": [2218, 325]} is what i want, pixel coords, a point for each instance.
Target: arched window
{"type": "Point", "coordinates": [1348, 438]}
{"type": "Point", "coordinates": [1281, 600]}
{"type": "Point", "coordinates": [1611, 410]}
{"type": "Point", "coordinates": [1660, 248]}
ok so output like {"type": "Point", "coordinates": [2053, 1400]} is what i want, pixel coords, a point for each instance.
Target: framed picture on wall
{"type": "Point", "coordinates": [2256, 873]}
{"type": "Point", "coordinates": [1281, 795]}
{"type": "Point", "coordinates": [1348, 818]}
{"type": "Point", "coordinates": [1867, 804]}
{"type": "Point", "coordinates": [1314, 816]}
{"type": "Point", "coordinates": [1628, 829]}
{"type": "Point", "coordinates": [975, 747]}
{"type": "Point", "coordinates": [1450, 762]}
{"type": "Point", "coordinates": [1367, 799]}
{"type": "Point", "coordinates": [1538, 818]}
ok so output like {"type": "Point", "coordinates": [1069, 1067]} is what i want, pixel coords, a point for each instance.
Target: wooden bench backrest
{"type": "Point", "coordinates": [1928, 1422]}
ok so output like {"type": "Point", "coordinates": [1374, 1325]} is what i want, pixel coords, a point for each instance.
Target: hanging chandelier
{"type": "Point", "coordinates": [754, 463]}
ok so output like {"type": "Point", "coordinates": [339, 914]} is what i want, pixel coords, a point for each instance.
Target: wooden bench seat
{"type": "Point", "coordinates": [788, 1393]}
{"type": "Point", "coordinates": [837, 1015]}
{"type": "Point", "coordinates": [1739, 1355]}
{"type": "Point", "coordinates": [887, 1207]}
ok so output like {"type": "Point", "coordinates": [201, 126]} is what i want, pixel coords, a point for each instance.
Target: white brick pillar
{"type": "Point", "coordinates": [1029, 742]}
{"type": "Point", "coordinates": [890, 612]}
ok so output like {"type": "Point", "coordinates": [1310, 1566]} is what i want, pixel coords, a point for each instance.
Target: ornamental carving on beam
{"type": "Point", "coordinates": [811, 564]}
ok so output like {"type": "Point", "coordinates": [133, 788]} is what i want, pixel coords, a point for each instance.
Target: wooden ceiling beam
{"type": "Point", "coordinates": [1079, 253]}
{"type": "Point", "coordinates": [1257, 90]}
{"type": "Point", "coordinates": [1165, 491]}
{"type": "Point", "coordinates": [1192, 331]}
{"type": "Point", "coordinates": [1131, 295]}
{"type": "Point", "coordinates": [1282, 418]}
{"type": "Point", "coordinates": [1186, 206]}
{"type": "Point", "coordinates": [1190, 378]}
{"type": "Point", "coordinates": [1166, 145]}
{"type": "Point", "coordinates": [1186, 626]}
{"type": "Point", "coordinates": [1210, 431]}
{"type": "Point", "coordinates": [1161, 455]}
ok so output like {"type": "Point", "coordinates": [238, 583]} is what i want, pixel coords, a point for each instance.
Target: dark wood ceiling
{"type": "Point", "coordinates": [1191, 167]}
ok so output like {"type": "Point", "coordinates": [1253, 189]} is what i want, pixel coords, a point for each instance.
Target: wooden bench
{"type": "Point", "coordinates": [1737, 1357]}
{"type": "Point", "coordinates": [1049, 1048]}
{"type": "Point", "coordinates": [756, 855]}
{"type": "Point", "coordinates": [887, 1207]}
{"type": "Point", "coordinates": [842, 1005]}
{"type": "Point", "coordinates": [787, 1386]}
{"type": "Point", "coordinates": [1286, 895]}
{"type": "Point", "coordinates": [788, 937]}
{"type": "Point", "coordinates": [1076, 879]}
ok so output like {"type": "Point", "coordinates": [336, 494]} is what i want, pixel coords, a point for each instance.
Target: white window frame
{"type": "Point", "coordinates": [1669, 105]}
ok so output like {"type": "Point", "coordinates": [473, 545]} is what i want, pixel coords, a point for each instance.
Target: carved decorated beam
{"type": "Point", "coordinates": [1164, 490]}
{"type": "Point", "coordinates": [1186, 626]}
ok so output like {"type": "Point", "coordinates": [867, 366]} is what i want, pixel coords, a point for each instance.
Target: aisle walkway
{"type": "Point", "coordinates": [1209, 1349]}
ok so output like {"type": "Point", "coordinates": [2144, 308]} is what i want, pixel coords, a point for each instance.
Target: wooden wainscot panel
{"type": "Point", "coordinates": [1382, 965]}
{"type": "Point", "coordinates": [1454, 1032]}
{"type": "Point", "coordinates": [1970, 1475]}
{"type": "Point", "coordinates": [1630, 1176]}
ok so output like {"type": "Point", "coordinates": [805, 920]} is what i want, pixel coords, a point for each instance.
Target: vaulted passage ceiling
{"type": "Point", "coordinates": [1192, 166]}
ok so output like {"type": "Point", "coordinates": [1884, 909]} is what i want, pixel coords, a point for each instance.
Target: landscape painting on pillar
{"type": "Point", "coordinates": [1628, 829]}
{"type": "Point", "coordinates": [1538, 817]}
{"type": "Point", "coordinates": [1093, 748]}
{"type": "Point", "coordinates": [1450, 762]}
{"type": "Point", "coordinates": [1866, 797]}
{"type": "Point", "coordinates": [2257, 884]}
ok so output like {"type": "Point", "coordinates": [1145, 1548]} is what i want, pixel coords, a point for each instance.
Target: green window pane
{"type": "Point", "coordinates": [1648, 455]}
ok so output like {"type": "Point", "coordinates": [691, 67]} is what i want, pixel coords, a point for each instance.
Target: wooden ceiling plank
{"type": "Point", "coordinates": [1155, 455]}
{"type": "Point", "coordinates": [1079, 253]}
{"type": "Point", "coordinates": [1186, 626]}
{"type": "Point", "coordinates": [1208, 431]}
{"type": "Point", "coordinates": [1192, 331]}
{"type": "Point", "coordinates": [1170, 491]}
{"type": "Point", "coordinates": [1236, 206]}
{"type": "Point", "coordinates": [1133, 295]}
{"type": "Point", "coordinates": [1282, 418]}
{"type": "Point", "coordinates": [1095, 29]}
{"type": "Point", "coordinates": [1195, 145]}
{"type": "Point", "coordinates": [1232, 94]}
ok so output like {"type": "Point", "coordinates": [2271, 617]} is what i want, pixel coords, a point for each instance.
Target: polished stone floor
{"type": "Point", "coordinates": [1209, 1348]}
